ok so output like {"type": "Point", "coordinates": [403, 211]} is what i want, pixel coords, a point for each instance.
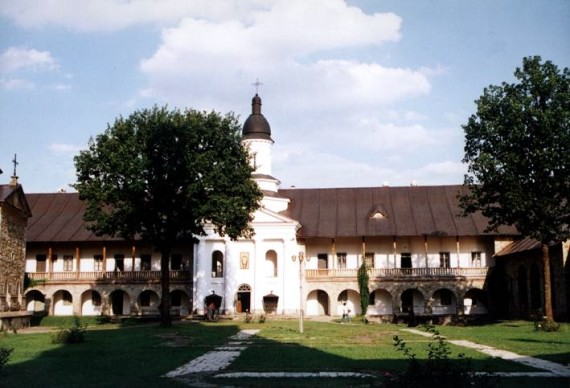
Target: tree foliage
{"type": "Point", "coordinates": [363, 279]}
{"type": "Point", "coordinates": [161, 175]}
{"type": "Point", "coordinates": [517, 147]}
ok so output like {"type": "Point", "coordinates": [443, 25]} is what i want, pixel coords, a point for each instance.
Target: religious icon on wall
{"type": "Point", "coordinates": [244, 260]}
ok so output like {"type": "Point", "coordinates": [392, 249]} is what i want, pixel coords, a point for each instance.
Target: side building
{"type": "Point", "coordinates": [14, 215]}
{"type": "Point", "coordinates": [421, 255]}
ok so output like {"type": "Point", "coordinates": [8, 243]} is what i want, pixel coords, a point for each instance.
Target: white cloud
{"type": "Point", "coordinates": [17, 58]}
{"type": "Point", "coordinates": [60, 149]}
{"type": "Point", "coordinates": [16, 84]}
{"type": "Point", "coordinates": [111, 15]}
{"type": "Point", "coordinates": [201, 57]}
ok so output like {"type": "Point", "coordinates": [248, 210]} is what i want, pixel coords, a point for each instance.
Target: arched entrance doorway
{"type": "Point", "coordinates": [91, 303]}
{"type": "Point", "coordinates": [413, 300]}
{"type": "Point", "coordinates": [120, 303]}
{"type": "Point", "coordinates": [318, 303]}
{"type": "Point", "coordinates": [35, 301]}
{"type": "Point", "coordinates": [62, 303]}
{"type": "Point", "coordinates": [243, 299]}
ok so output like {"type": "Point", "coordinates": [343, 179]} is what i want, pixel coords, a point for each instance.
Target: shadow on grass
{"type": "Point", "coordinates": [140, 355]}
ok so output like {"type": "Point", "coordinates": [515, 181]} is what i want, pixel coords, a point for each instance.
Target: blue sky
{"type": "Point", "coordinates": [358, 93]}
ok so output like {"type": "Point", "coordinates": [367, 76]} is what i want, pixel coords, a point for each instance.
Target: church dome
{"type": "Point", "coordinates": [256, 126]}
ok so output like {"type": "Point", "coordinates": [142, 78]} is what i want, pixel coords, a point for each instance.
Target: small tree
{"type": "Point", "coordinates": [517, 146]}
{"type": "Point", "coordinates": [363, 278]}
{"type": "Point", "coordinates": [161, 175]}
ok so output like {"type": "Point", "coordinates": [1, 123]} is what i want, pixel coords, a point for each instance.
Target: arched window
{"type": "Point", "coordinates": [271, 263]}
{"type": "Point", "coordinates": [217, 264]}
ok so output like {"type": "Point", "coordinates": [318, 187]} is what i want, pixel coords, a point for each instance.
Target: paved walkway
{"type": "Point", "coordinates": [217, 359]}
{"type": "Point", "coordinates": [213, 362]}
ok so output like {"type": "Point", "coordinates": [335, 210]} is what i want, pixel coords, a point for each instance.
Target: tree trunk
{"type": "Point", "coordinates": [165, 317]}
{"type": "Point", "coordinates": [547, 285]}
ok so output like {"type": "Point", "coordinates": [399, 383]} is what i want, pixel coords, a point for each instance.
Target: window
{"type": "Point", "coordinates": [369, 259]}
{"type": "Point", "coordinates": [271, 263]}
{"type": "Point", "coordinates": [176, 262]}
{"type": "Point", "coordinates": [68, 263]}
{"type": "Point", "coordinates": [119, 262]}
{"type": "Point", "coordinates": [475, 259]}
{"type": "Point", "coordinates": [406, 260]}
{"type": "Point", "coordinates": [41, 263]}
{"type": "Point", "coordinates": [322, 261]}
{"type": "Point", "coordinates": [341, 260]}
{"type": "Point", "coordinates": [217, 264]}
{"type": "Point", "coordinates": [372, 298]}
{"type": "Point", "coordinates": [145, 262]}
{"type": "Point", "coordinates": [444, 259]}
{"type": "Point", "coordinates": [98, 263]}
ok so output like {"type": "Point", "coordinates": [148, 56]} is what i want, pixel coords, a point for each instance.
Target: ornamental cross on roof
{"type": "Point", "coordinates": [257, 84]}
{"type": "Point", "coordinates": [15, 161]}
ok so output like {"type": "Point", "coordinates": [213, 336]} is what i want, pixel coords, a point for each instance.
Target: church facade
{"type": "Point", "coordinates": [421, 256]}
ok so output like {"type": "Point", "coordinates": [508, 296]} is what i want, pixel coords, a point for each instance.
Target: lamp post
{"type": "Point", "coordinates": [301, 302]}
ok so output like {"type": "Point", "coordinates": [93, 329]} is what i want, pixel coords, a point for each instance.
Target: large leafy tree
{"type": "Point", "coordinates": [161, 175]}
{"type": "Point", "coordinates": [517, 147]}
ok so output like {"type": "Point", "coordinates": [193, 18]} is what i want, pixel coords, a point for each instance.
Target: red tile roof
{"type": "Point", "coordinates": [408, 211]}
{"type": "Point", "coordinates": [340, 212]}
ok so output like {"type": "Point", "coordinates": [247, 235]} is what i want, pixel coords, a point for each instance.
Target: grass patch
{"type": "Point", "coordinates": [519, 337]}
{"type": "Point", "coordinates": [127, 354]}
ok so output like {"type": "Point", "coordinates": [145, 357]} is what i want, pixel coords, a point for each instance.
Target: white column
{"type": "Point", "coordinates": [202, 268]}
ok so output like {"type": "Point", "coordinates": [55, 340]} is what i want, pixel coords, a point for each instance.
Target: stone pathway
{"type": "Point", "coordinates": [552, 369]}
{"type": "Point", "coordinates": [217, 359]}
{"type": "Point", "coordinates": [210, 363]}
{"type": "Point", "coordinates": [214, 361]}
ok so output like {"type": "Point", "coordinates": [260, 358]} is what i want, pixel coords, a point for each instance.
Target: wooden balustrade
{"type": "Point", "coordinates": [397, 272]}
{"type": "Point", "coordinates": [105, 276]}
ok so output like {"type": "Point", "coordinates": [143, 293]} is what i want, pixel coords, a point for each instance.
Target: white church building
{"type": "Point", "coordinates": [305, 254]}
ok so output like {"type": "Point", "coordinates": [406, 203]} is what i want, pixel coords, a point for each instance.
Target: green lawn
{"type": "Point", "coordinates": [132, 354]}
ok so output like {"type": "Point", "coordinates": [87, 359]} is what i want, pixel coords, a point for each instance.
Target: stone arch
{"type": "Point", "coordinates": [271, 263]}
{"type": "Point", "coordinates": [350, 300]}
{"type": "Point", "coordinates": [318, 303]}
{"type": "Point", "coordinates": [444, 302]}
{"type": "Point", "coordinates": [381, 302]}
{"type": "Point", "coordinates": [120, 302]}
{"type": "Point", "coordinates": [91, 303]}
{"type": "Point", "coordinates": [148, 302]}
{"type": "Point", "coordinates": [475, 302]}
{"type": "Point", "coordinates": [412, 298]}
{"type": "Point", "coordinates": [180, 303]}
{"type": "Point", "coordinates": [35, 301]}
{"type": "Point", "coordinates": [62, 303]}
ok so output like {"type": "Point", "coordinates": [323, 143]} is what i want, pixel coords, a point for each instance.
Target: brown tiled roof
{"type": "Point", "coordinates": [342, 212]}
{"type": "Point", "coordinates": [58, 217]}
{"type": "Point", "coordinates": [407, 211]}
{"type": "Point", "coordinates": [526, 244]}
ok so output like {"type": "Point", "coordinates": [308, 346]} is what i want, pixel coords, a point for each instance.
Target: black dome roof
{"type": "Point", "coordinates": [256, 126]}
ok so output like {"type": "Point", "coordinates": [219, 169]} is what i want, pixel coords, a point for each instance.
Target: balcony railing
{"type": "Point", "coordinates": [397, 272]}
{"type": "Point", "coordinates": [106, 275]}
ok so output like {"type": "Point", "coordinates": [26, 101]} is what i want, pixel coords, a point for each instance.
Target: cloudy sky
{"type": "Point", "coordinates": [357, 93]}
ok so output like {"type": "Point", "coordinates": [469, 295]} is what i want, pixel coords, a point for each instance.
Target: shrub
{"type": "Point", "coordinates": [71, 335]}
{"type": "Point", "coordinates": [438, 370]}
{"type": "Point", "coordinates": [541, 323]}
{"type": "Point", "coordinates": [5, 354]}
